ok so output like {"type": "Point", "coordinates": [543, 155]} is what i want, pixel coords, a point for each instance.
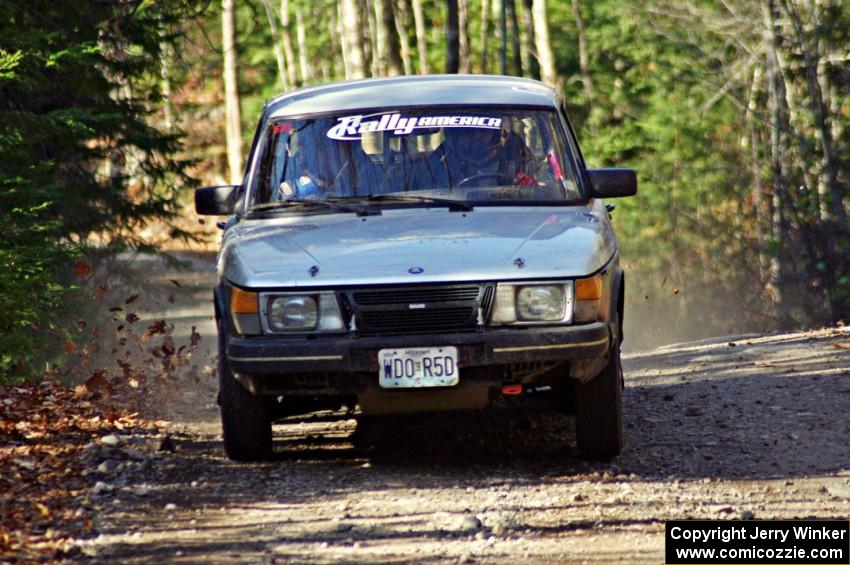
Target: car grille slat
{"type": "Point", "coordinates": [417, 309]}
{"type": "Point", "coordinates": [416, 295]}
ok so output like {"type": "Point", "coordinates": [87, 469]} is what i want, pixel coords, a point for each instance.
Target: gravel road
{"type": "Point", "coordinates": [746, 426]}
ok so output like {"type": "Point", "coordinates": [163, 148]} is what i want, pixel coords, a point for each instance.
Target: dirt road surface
{"type": "Point", "coordinates": [749, 426]}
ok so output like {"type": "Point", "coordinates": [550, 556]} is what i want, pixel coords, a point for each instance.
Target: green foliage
{"type": "Point", "coordinates": [79, 156]}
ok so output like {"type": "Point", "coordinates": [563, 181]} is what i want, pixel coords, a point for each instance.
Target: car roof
{"type": "Point", "coordinates": [413, 91]}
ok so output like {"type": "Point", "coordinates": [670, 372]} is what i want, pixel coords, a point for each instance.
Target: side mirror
{"type": "Point", "coordinates": [216, 200]}
{"type": "Point", "coordinates": [612, 183]}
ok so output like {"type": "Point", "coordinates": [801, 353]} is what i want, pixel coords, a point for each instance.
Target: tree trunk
{"type": "Point", "coordinates": [421, 46]}
{"type": "Point", "coordinates": [510, 6]}
{"type": "Point", "coordinates": [165, 54]}
{"type": "Point", "coordinates": [388, 47]}
{"type": "Point", "coordinates": [485, 33]}
{"type": "Point", "coordinates": [548, 72]}
{"type": "Point", "coordinates": [402, 24]}
{"type": "Point", "coordinates": [464, 48]}
{"type": "Point", "coordinates": [752, 121]}
{"type": "Point", "coordinates": [829, 189]}
{"type": "Point", "coordinates": [452, 37]}
{"type": "Point", "coordinates": [278, 52]}
{"type": "Point", "coordinates": [375, 59]}
{"type": "Point", "coordinates": [584, 66]}
{"type": "Point", "coordinates": [352, 25]}
{"type": "Point", "coordinates": [302, 46]}
{"type": "Point", "coordinates": [529, 57]}
{"type": "Point", "coordinates": [778, 160]}
{"type": "Point", "coordinates": [287, 42]}
{"type": "Point", "coordinates": [503, 37]}
{"type": "Point", "coordinates": [339, 31]}
{"type": "Point", "coordinates": [233, 118]}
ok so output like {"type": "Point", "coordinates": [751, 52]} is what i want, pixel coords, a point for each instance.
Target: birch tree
{"type": "Point", "coordinates": [421, 44]}
{"type": "Point", "coordinates": [528, 55]}
{"type": "Point", "coordinates": [287, 42]}
{"type": "Point", "coordinates": [584, 67]}
{"type": "Point", "coordinates": [485, 33]}
{"type": "Point", "coordinates": [388, 44]}
{"type": "Point", "coordinates": [233, 118]}
{"type": "Point", "coordinates": [301, 35]}
{"type": "Point", "coordinates": [352, 25]}
{"type": "Point", "coordinates": [548, 72]}
{"type": "Point", "coordinates": [165, 54]}
{"type": "Point", "coordinates": [402, 24]}
{"type": "Point", "coordinates": [283, 77]}
{"type": "Point", "coordinates": [829, 190]}
{"type": "Point", "coordinates": [510, 6]}
{"type": "Point", "coordinates": [503, 37]}
{"type": "Point", "coordinates": [463, 37]}
{"type": "Point", "coordinates": [372, 52]}
{"type": "Point", "coordinates": [338, 30]}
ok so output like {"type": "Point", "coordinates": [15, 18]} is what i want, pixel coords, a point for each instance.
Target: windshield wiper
{"type": "Point", "coordinates": [327, 204]}
{"type": "Point", "coordinates": [451, 204]}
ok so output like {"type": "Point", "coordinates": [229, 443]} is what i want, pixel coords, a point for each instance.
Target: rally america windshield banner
{"type": "Point", "coordinates": [353, 127]}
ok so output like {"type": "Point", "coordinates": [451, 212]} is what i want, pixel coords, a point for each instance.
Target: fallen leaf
{"type": "Point", "coordinates": [126, 368]}
{"type": "Point", "coordinates": [168, 346]}
{"type": "Point", "coordinates": [175, 283]}
{"type": "Point", "coordinates": [100, 292]}
{"type": "Point", "coordinates": [97, 382]}
{"type": "Point", "coordinates": [69, 347]}
{"type": "Point", "coordinates": [116, 309]}
{"type": "Point", "coordinates": [81, 269]}
{"type": "Point", "coordinates": [131, 299]}
{"type": "Point", "coordinates": [42, 509]}
{"type": "Point", "coordinates": [157, 327]}
{"type": "Point", "coordinates": [131, 318]}
{"type": "Point", "coordinates": [195, 338]}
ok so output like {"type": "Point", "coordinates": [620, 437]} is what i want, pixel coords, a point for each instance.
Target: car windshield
{"type": "Point", "coordinates": [476, 155]}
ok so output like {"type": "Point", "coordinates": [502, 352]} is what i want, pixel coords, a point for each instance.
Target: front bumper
{"type": "Point", "coordinates": [278, 356]}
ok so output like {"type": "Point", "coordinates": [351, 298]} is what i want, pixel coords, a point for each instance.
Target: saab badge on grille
{"type": "Point", "coordinates": [416, 306]}
{"type": "Point", "coordinates": [416, 270]}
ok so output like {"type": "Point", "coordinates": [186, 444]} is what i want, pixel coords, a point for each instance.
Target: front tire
{"type": "Point", "coordinates": [245, 420]}
{"type": "Point", "coordinates": [599, 408]}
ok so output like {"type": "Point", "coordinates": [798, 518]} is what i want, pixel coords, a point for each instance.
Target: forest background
{"type": "Point", "coordinates": [734, 113]}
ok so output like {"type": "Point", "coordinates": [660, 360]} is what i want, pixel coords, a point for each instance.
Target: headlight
{"type": "Point", "coordinates": [539, 303]}
{"type": "Point", "coordinates": [292, 313]}
{"type": "Point", "coordinates": [301, 312]}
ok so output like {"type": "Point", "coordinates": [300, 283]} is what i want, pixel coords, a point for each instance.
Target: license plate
{"type": "Point", "coordinates": [418, 367]}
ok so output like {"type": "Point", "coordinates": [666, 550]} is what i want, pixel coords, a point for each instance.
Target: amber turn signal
{"type": "Point", "coordinates": [589, 289]}
{"type": "Point", "coordinates": [243, 302]}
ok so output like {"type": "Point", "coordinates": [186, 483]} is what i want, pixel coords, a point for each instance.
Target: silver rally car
{"type": "Point", "coordinates": [417, 244]}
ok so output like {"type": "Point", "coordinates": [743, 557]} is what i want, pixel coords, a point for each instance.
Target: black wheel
{"type": "Point", "coordinates": [599, 409]}
{"type": "Point", "coordinates": [245, 420]}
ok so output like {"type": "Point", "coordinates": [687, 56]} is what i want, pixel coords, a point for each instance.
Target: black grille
{"type": "Point", "coordinates": [438, 319]}
{"type": "Point", "coordinates": [416, 309]}
{"type": "Point", "coordinates": [416, 295]}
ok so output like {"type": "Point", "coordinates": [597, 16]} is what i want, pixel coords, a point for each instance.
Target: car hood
{"type": "Point", "coordinates": [417, 245]}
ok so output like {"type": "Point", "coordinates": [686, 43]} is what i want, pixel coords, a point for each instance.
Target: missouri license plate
{"type": "Point", "coordinates": [418, 367]}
